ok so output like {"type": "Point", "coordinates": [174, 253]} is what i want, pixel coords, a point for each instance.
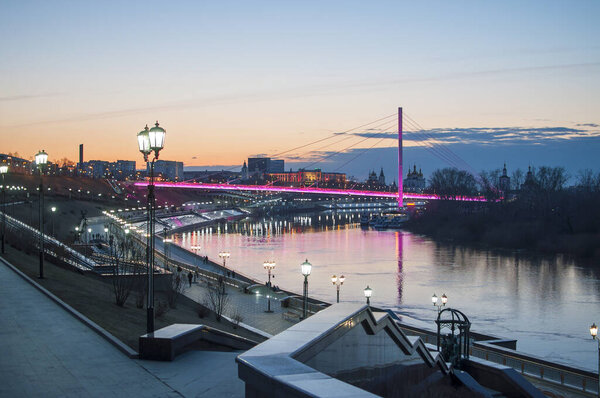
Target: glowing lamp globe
{"type": "Point", "coordinates": [156, 136]}
{"type": "Point", "coordinates": [368, 292]}
{"type": "Point", "coordinates": [444, 299]}
{"type": "Point", "coordinates": [41, 158]}
{"type": "Point", "coordinates": [342, 279]}
{"type": "Point", "coordinates": [594, 330]}
{"type": "Point", "coordinates": [306, 267]}
{"type": "Point", "coordinates": [144, 142]}
{"type": "Point", "coordinates": [334, 279]}
{"type": "Point", "coordinates": [434, 299]}
{"type": "Point", "coordinates": [3, 169]}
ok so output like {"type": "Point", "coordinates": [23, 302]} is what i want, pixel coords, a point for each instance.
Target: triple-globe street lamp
{"type": "Point", "coordinates": [224, 255]}
{"type": "Point", "coordinates": [439, 302]}
{"type": "Point", "coordinates": [41, 159]}
{"type": "Point", "coordinates": [306, 268]}
{"type": "Point", "coordinates": [151, 140]}
{"type": "Point", "coordinates": [338, 282]}
{"type": "Point", "coordinates": [594, 333]}
{"type": "Point", "coordinates": [3, 171]}
{"type": "Point", "coordinates": [269, 266]}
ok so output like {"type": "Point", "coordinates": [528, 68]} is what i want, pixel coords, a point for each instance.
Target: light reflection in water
{"type": "Point", "coordinates": [547, 304]}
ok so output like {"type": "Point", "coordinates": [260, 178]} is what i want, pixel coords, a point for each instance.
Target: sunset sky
{"type": "Point", "coordinates": [495, 81]}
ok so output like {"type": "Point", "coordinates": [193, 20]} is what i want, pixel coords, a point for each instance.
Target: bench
{"type": "Point", "coordinates": [166, 343]}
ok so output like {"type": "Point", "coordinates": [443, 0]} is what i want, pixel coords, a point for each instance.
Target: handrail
{"type": "Point", "coordinates": [564, 375]}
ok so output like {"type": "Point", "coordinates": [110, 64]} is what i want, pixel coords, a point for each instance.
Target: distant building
{"type": "Point", "coordinates": [504, 182]}
{"type": "Point", "coordinates": [15, 164]}
{"type": "Point", "coordinates": [381, 177]}
{"type": "Point", "coordinates": [414, 181]}
{"type": "Point", "coordinates": [212, 176]}
{"type": "Point", "coordinates": [170, 170]}
{"type": "Point", "coordinates": [372, 179]}
{"type": "Point", "coordinates": [265, 165]}
{"type": "Point", "coordinates": [276, 166]}
{"type": "Point", "coordinates": [303, 177]}
{"type": "Point", "coordinates": [122, 169]}
{"type": "Point", "coordinates": [244, 175]}
{"type": "Point", "coordinates": [529, 180]}
{"type": "Point", "coordinates": [95, 169]}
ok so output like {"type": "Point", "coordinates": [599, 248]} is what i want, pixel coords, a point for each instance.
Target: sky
{"type": "Point", "coordinates": [511, 81]}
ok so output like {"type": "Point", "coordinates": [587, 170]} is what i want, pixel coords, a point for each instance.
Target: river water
{"type": "Point", "coordinates": [547, 304]}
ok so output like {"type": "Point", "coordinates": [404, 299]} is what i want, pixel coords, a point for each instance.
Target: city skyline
{"type": "Point", "coordinates": [512, 82]}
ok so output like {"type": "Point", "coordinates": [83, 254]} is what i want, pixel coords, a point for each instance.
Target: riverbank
{"type": "Point", "coordinates": [505, 226]}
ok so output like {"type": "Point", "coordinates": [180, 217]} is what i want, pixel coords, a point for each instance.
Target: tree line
{"type": "Point", "coordinates": [538, 211]}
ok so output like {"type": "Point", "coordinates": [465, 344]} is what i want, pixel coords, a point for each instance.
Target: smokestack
{"type": "Point", "coordinates": [80, 153]}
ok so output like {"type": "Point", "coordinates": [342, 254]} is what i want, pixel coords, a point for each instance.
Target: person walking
{"type": "Point", "coordinates": [190, 277]}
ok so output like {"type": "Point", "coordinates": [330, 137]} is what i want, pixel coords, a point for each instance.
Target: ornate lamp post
{"type": "Point", "coordinates": [166, 241]}
{"type": "Point", "coordinates": [41, 159]}
{"type": "Point", "coordinates": [439, 302]}
{"type": "Point", "coordinates": [337, 282]}
{"type": "Point", "coordinates": [269, 266]}
{"type": "Point", "coordinates": [224, 256]}
{"type": "Point", "coordinates": [3, 171]}
{"type": "Point", "coordinates": [594, 333]}
{"type": "Point", "coordinates": [151, 140]}
{"type": "Point", "coordinates": [53, 209]}
{"type": "Point", "coordinates": [368, 292]}
{"type": "Point", "coordinates": [305, 267]}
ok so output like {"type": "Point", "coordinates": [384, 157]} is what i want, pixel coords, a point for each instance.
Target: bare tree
{"type": "Point", "coordinates": [175, 287]}
{"type": "Point", "coordinates": [451, 182]}
{"type": "Point", "coordinates": [217, 299]}
{"type": "Point", "coordinates": [517, 179]}
{"type": "Point", "coordinates": [126, 267]}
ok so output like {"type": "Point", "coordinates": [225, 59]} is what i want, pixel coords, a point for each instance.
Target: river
{"type": "Point", "coordinates": [547, 304]}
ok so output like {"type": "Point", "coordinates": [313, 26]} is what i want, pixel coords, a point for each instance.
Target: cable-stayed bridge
{"type": "Point", "coordinates": [370, 130]}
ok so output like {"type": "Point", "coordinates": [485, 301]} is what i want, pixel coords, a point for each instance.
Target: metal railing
{"type": "Point", "coordinates": [52, 246]}
{"type": "Point", "coordinates": [528, 365]}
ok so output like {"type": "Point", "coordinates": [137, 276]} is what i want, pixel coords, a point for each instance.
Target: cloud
{"type": "Point", "coordinates": [489, 135]}
{"type": "Point", "coordinates": [588, 125]}
{"type": "Point", "coordinates": [307, 91]}
{"type": "Point", "coordinates": [25, 97]}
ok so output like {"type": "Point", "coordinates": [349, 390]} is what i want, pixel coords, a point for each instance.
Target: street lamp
{"type": "Point", "coordinates": [439, 302]}
{"type": "Point", "coordinates": [151, 140]}
{"type": "Point", "coordinates": [594, 333]}
{"type": "Point", "coordinates": [3, 171]}
{"type": "Point", "coordinates": [53, 209]}
{"type": "Point", "coordinates": [224, 256]}
{"type": "Point", "coordinates": [105, 233]}
{"type": "Point", "coordinates": [337, 282]}
{"type": "Point", "coordinates": [305, 267]}
{"type": "Point", "coordinates": [269, 266]}
{"type": "Point", "coordinates": [368, 292]}
{"type": "Point", "coordinates": [41, 159]}
{"type": "Point", "coordinates": [166, 241]}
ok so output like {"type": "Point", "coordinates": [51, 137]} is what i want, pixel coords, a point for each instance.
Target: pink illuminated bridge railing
{"type": "Point", "coordinates": [325, 191]}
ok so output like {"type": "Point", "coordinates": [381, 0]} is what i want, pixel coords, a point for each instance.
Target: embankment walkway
{"type": "Point", "coordinates": [46, 352]}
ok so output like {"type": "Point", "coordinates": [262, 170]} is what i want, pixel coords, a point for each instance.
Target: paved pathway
{"type": "Point", "coordinates": [250, 307]}
{"type": "Point", "coordinates": [46, 352]}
